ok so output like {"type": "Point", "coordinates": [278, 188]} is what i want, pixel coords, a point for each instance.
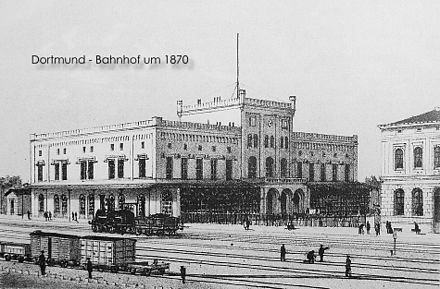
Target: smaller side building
{"type": "Point", "coordinates": [18, 201]}
{"type": "Point", "coordinates": [411, 171]}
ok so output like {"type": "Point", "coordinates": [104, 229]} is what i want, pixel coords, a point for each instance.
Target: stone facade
{"type": "Point", "coordinates": [411, 171]}
{"type": "Point", "coordinates": [240, 145]}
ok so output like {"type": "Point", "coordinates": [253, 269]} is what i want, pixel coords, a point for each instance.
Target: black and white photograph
{"type": "Point", "coordinates": [220, 144]}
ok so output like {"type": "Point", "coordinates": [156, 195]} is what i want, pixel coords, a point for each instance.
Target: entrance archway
{"type": "Point", "coordinates": [286, 201]}
{"type": "Point", "coordinates": [271, 201]}
{"type": "Point", "coordinates": [298, 201]}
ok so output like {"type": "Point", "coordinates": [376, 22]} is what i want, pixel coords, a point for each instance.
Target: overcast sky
{"type": "Point", "coordinates": [351, 64]}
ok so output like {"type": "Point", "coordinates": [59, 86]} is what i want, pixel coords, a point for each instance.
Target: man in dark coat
{"type": "Point", "coordinates": [348, 266]}
{"type": "Point", "coordinates": [42, 263]}
{"type": "Point", "coordinates": [368, 227]}
{"type": "Point", "coordinates": [89, 267]}
{"type": "Point", "coordinates": [283, 253]}
{"type": "Point", "coordinates": [183, 273]}
{"type": "Point", "coordinates": [321, 252]}
{"type": "Point", "coordinates": [311, 257]}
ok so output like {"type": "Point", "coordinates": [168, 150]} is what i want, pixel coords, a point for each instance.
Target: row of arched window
{"type": "Point", "coordinates": [418, 158]}
{"type": "Point", "coordinates": [416, 202]}
{"type": "Point", "coordinates": [106, 203]}
{"type": "Point", "coordinates": [269, 141]}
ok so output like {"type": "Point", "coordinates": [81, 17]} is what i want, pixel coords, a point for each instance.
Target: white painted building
{"type": "Point", "coordinates": [411, 171]}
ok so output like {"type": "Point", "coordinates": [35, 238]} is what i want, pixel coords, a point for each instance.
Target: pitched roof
{"type": "Point", "coordinates": [427, 117]}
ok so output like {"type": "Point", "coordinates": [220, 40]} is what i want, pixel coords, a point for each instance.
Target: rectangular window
{"type": "Point", "coordinates": [58, 151]}
{"type": "Point", "coordinates": [90, 170]}
{"type": "Point", "coordinates": [83, 170]}
{"type": "Point", "coordinates": [91, 149]}
{"type": "Point", "coordinates": [347, 172]}
{"type": "Point", "coordinates": [111, 169]}
{"type": "Point", "coordinates": [213, 169]}
{"type": "Point", "coordinates": [334, 172]}
{"type": "Point", "coordinates": [120, 168]}
{"type": "Point", "coordinates": [184, 168]}
{"type": "Point", "coordinates": [57, 171]}
{"type": "Point", "coordinates": [311, 172]}
{"type": "Point", "coordinates": [40, 173]}
{"type": "Point", "coordinates": [142, 145]}
{"type": "Point", "coordinates": [169, 168]}
{"type": "Point", "coordinates": [64, 171]}
{"type": "Point", "coordinates": [121, 146]}
{"type": "Point", "coordinates": [84, 149]}
{"type": "Point", "coordinates": [142, 172]}
{"type": "Point", "coordinates": [199, 169]}
{"type": "Point", "coordinates": [299, 170]}
{"type": "Point", "coordinates": [229, 169]}
{"type": "Point", "coordinates": [284, 124]}
{"type": "Point", "coordinates": [64, 150]}
{"type": "Point", "coordinates": [40, 153]}
{"type": "Point", "coordinates": [229, 149]}
{"type": "Point", "coordinates": [112, 147]}
{"type": "Point", "coordinates": [323, 175]}
{"type": "Point", "coordinates": [252, 121]}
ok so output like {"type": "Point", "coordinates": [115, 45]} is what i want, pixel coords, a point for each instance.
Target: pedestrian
{"type": "Point", "coordinates": [416, 228]}
{"type": "Point", "coordinates": [377, 229]}
{"type": "Point", "coordinates": [73, 216]}
{"type": "Point", "coordinates": [89, 267]}
{"type": "Point", "coordinates": [348, 267]}
{"type": "Point", "coordinates": [29, 214]}
{"type": "Point", "coordinates": [311, 257]}
{"type": "Point", "coordinates": [50, 216]}
{"type": "Point", "coordinates": [183, 273]}
{"type": "Point", "coordinates": [283, 253]}
{"type": "Point", "coordinates": [76, 217]}
{"type": "Point", "coordinates": [45, 216]}
{"type": "Point", "coordinates": [361, 229]}
{"type": "Point", "coordinates": [42, 263]}
{"type": "Point", "coordinates": [248, 223]}
{"type": "Point", "coordinates": [321, 252]}
{"type": "Point", "coordinates": [368, 227]}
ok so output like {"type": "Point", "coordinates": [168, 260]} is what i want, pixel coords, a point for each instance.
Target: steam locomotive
{"type": "Point", "coordinates": [124, 221]}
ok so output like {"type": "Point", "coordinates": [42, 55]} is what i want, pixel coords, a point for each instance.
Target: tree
{"type": "Point", "coordinates": [5, 184]}
{"type": "Point", "coordinates": [373, 181]}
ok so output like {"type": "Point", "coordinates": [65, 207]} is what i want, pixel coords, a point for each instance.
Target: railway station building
{"type": "Point", "coordinates": [411, 171]}
{"type": "Point", "coordinates": [225, 155]}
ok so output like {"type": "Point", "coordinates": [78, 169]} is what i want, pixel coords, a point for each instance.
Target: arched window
{"type": "Point", "coordinates": [56, 204]}
{"type": "Point", "coordinates": [121, 201]}
{"type": "Point", "coordinates": [398, 159]}
{"type": "Point", "coordinates": [249, 143]}
{"type": "Point", "coordinates": [272, 141]}
{"type": "Point", "coordinates": [252, 167]}
{"type": "Point", "coordinates": [281, 142]}
{"type": "Point", "coordinates": [266, 141]}
{"type": "Point", "coordinates": [286, 142]}
{"type": "Point", "coordinates": [437, 157]}
{"type": "Point", "coordinates": [167, 203]}
{"type": "Point", "coordinates": [255, 140]}
{"type": "Point", "coordinates": [417, 202]}
{"type": "Point", "coordinates": [82, 204]}
{"type": "Point", "coordinates": [399, 202]}
{"type": "Point", "coordinates": [41, 203]}
{"type": "Point", "coordinates": [91, 204]}
{"type": "Point", "coordinates": [269, 167]}
{"type": "Point", "coordinates": [63, 205]}
{"type": "Point", "coordinates": [283, 168]}
{"type": "Point", "coordinates": [323, 173]}
{"type": "Point", "coordinates": [418, 155]}
{"type": "Point", "coordinates": [111, 203]}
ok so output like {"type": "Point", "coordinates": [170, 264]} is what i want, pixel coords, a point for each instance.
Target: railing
{"type": "Point", "coordinates": [324, 137]}
{"type": "Point", "coordinates": [273, 219]}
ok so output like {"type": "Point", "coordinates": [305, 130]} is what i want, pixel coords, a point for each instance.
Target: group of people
{"type": "Point", "coordinates": [47, 216]}
{"type": "Point", "coordinates": [246, 224]}
{"type": "Point", "coordinates": [368, 227]}
{"type": "Point", "coordinates": [75, 216]}
{"type": "Point", "coordinates": [389, 227]}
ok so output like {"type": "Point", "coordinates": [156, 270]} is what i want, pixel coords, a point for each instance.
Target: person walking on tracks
{"type": "Point", "coordinates": [321, 252]}
{"type": "Point", "coordinates": [183, 273]}
{"type": "Point", "coordinates": [283, 253]}
{"type": "Point", "coordinates": [89, 267]}
{"type": "Point", "coordinates": [42, 263]}
{"type": "Point", "coordinates": [348, 266]}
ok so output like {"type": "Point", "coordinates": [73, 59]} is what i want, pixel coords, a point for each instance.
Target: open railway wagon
{"type": "Point", "coordinates": [124, 221]}
{"type": "Point", "coordinates": [15, 251]}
